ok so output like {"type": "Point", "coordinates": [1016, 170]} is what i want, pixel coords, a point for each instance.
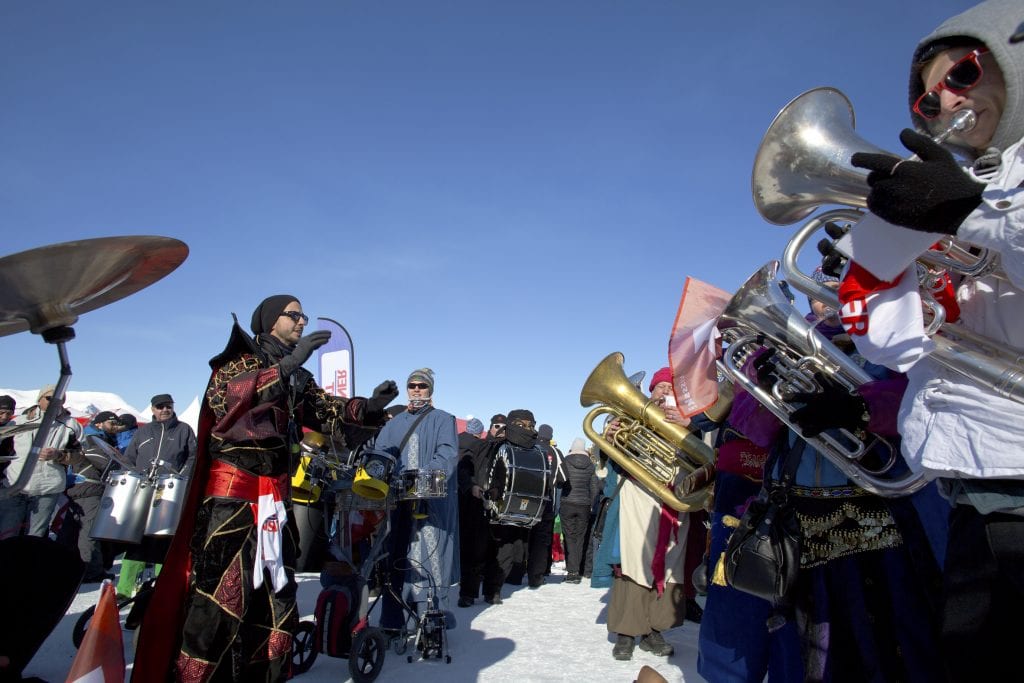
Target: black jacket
{"type": "Point", "coordinates": [172, 441]}
{"type": "Point", "coordinates": [582, 484]}
{"type": "Point", "coordinates": [474, 462]}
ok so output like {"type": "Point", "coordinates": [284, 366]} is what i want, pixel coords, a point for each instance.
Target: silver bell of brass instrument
{"type": "Point", "coordinates": [804, 162]}
{"type": "Point", "coordinates": [761, 315]}
{"type": "Point", "coordinates": [663, 457]}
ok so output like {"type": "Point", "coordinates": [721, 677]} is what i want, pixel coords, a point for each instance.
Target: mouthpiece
{"type": "Point", "coordinates": [962, 121]}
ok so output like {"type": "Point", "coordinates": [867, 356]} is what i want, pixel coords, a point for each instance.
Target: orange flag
{"type": "Point", "coordinates": [100, 658]}
{"type": "Point", "coordinates": [695, 345]}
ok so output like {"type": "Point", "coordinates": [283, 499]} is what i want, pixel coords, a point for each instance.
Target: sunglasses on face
{"type": "Point", "coordinates": [961, 77]}
{"type": "Point", "coordinates": [418, 385]}
{"type": "Point", "coordinates": [296, 316]}
{"type": "Point", "coordinates": [164, 406]}
{"type": "Point", "coordinates": [497, 425]}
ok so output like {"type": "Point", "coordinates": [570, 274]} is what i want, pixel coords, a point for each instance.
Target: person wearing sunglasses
{"type": "Point", "coordinates": [167, 446]}
{"type": "Point", "coordinates": [29, 511]}
{"type": "Point", "coordinates": [963, 433]}
{"type": "Point", "coordinates": [224, 606]}
{"type": "Point", "coordinates": [423, 542]}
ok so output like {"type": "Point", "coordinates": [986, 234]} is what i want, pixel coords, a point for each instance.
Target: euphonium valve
{"type": "Point", "coordinates": [760, 314]}
{"type": "Point", "coordinates": [663, 457]}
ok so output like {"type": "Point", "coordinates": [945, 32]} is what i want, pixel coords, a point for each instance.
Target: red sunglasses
{"type": "Point", "coordinates": [960, 78]}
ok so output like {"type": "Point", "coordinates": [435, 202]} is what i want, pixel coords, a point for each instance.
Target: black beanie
{"type": "Point", "coordinates": [520, 414]}
{"type": "Point", "coordinates": [269, 310]}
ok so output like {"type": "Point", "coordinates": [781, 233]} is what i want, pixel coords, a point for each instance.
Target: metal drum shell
{"type": "Point", "coordinates": [124, 508]}
{"type": "Point", "coordinates": [168, 501]}
{"type": "Point", "coordinates": [424, 484]}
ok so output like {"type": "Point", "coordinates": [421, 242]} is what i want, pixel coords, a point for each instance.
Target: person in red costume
{"type": "Point", "coordinates": [224, 606]}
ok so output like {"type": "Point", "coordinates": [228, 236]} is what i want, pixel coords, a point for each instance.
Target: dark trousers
{"type": "Point", "coordinates": [507, 547]}
{"type": "Point", "coordinates": [538, 555]}
{"type": "Point", "coordinates": [575, 523]}
{"type": "Point", "coordinates": [984, 594]}
{"type": "Point", "coordinates": [74, 532]}
{"type": "Point", "coordinates": [474, 542]}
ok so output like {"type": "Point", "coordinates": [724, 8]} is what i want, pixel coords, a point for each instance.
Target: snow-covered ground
{"type": "Point", "coordinates": [554, 633]}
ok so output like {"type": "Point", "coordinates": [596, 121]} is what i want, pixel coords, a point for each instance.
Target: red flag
{"type": "Point", "coordinates": [695, 345]}
{"type": "Point", "coordinates": [100, 658]}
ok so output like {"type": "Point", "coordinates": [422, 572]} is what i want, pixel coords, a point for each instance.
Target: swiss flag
{"type": "Point", "coordinates": [100, 658]}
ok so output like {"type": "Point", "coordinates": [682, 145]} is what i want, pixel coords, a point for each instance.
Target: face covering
{"type": "Point", "coordinates": [519, 435]}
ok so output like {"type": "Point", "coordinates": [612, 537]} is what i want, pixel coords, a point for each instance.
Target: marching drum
{"type": "Point", "coordinates": [420, 484]}
{"type": "Point", "coordinates": [520, 475]}
{"type": "Point", "coordinates": [168, 502]}
{"type": "Point", "coordinates": [124, 508]}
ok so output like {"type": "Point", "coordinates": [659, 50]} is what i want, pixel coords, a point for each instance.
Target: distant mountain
{"type": "Point", "coordinates": [85, 404]}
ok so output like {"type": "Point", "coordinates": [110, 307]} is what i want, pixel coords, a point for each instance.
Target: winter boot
{"type": "Point", "coordinates": [623, 650]}
{"type": "Point", "coordinates": [655, 643]}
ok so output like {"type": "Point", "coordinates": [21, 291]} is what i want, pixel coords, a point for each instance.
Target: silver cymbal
{"type": "Point", "coordinates": [51, 286]}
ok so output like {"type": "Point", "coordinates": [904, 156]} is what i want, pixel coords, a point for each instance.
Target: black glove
{"type": "Point", "coordinates": [931, 195]}
{"type": "Point", "coordinates": [385, 393]}
{"type": "Point", "coordinates": [832, 408]}
{"type": "Point", "coordinates": [832, 260]}
{"type": "Point", "coordinates": [304, 348]}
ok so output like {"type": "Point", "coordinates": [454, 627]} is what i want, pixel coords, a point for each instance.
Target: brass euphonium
{"type": "Point", "coordinates": [663, 457]}
{"type": "Point", "coordinates": [804, 162]}
{"type": "Point", "coordinates": [761, 315]}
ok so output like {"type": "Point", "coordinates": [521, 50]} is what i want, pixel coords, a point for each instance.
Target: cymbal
{"type": "Point", "coordinates": [51, 286]}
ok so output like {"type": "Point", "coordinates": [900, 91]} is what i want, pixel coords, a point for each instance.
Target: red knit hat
{"type": "Point", "coordinates": [663, 375]}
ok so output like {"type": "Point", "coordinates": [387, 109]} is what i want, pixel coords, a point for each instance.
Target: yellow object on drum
{"type": "Point", "coordinates": [372, 477]}
{"type": "Point", "coordinates": [304, 490]}
{"type": "Point", "coordinates": [366, 486]}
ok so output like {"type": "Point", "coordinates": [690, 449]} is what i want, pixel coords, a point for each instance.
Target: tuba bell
{"type": "Point", "coordinates": [665, 458]}
{"type": "Point", "coordinates": [804, 162]}
{"type": "Point", "coordinates": [761, 315]}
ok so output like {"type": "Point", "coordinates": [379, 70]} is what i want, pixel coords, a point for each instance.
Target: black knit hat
{"type": "Point", "coordinates": [7, 403]}
{"type": "Point", "coordinates": [521, 414]}
{"type": "Point", "coordinates": [103, 416]}
{"type": "Point", "coordinates": [499, 419]}
{"type": "Point", "coordinates": [269, 310]}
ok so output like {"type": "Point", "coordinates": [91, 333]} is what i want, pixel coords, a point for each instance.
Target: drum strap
{"type": "Point", "coordinates": [408, 434]}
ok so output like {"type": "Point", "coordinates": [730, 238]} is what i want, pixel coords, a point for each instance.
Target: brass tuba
{"type": "Point", "coordinates": [760, 314]}
{"type": "Point", "coordinates": [804, 162]}
{"type": "Point", "coordinates": [654, 451]}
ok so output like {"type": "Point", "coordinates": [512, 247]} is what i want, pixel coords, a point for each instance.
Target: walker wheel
{"type": "Point", "coordinates": [366, 657]}
{"type": "Point", "coordinates": [303, 651]}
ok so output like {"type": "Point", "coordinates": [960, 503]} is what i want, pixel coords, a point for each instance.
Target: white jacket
{"type": "Point", "coordinates": [47, 477]}
{"type": "Point", "coordinates": [949, 424]}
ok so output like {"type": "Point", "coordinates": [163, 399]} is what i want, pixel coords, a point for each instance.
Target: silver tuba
{"type": "Point", "coordinates": [761, 315]}
{"type": "Point", "coordinates": [804, 162]}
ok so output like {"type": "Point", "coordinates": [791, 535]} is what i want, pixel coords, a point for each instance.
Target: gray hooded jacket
{"type": "Point", "coordinates": [992, 23]}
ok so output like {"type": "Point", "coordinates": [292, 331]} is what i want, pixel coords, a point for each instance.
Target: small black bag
{"type": "Point", "coordinates": [763, 554]}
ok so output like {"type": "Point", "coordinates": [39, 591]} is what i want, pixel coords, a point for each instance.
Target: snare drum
{"type": "Point", "coordinates": [520, 475]}
{"type": "Point", "coordinates": [124, 508]}
{"type": "Point", "coordinates": [168, 502]}
{"type": "Point", "coordinates": [420, 484]}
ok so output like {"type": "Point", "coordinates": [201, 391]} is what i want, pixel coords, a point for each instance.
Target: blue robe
{"type": "Point", "coordinates": [433, 542]}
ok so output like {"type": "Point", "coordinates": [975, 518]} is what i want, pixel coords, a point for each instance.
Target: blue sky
{"type": "Point", "coordinates": [505, 192]}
